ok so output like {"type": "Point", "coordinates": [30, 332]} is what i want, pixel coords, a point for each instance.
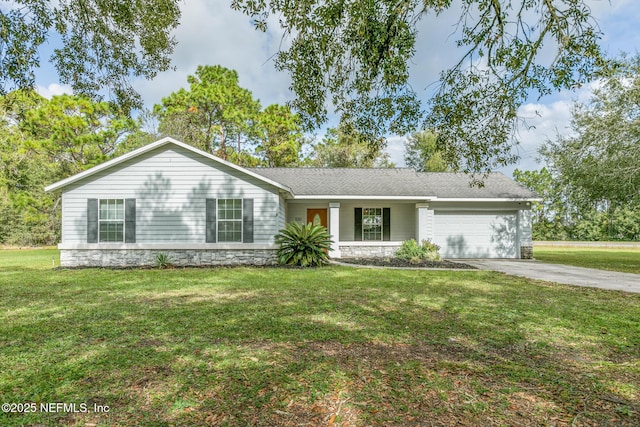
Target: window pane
{"type": "Point", "coordinates": [118, 209]}
{"type": "Point", "coordinates": [230, 220]}
{"type": "Point", "coordinates": [372, 223]}
{"type": "Point", "coordinates": [111, 220]}
{"type": "Point", "coordinates": [111, 231]}
{"type": "Point", "coordinates": [103, 209]}
{"type": "Point", "coordinates": [229, 231]}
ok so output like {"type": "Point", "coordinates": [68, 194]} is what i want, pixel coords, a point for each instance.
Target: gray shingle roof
{"type": "Point", "coordinates": [391, 183]}
{"type": "Point", "coordinates": [457, 185]}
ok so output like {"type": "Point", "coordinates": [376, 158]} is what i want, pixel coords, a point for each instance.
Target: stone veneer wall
{"type": "Point", "coordinates": [368, 251]}
{"type": "Point", "coordinates": [526, 252]}
{"type": "Point", "coordinates": [178, 257]}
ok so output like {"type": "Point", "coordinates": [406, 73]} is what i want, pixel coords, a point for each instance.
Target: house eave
{"type": "Point", "coordinates": [358, 197]}
{"type": "Point", "coordinates": [487, 199]}
{"type": "Point", "coordinates": [414, 198]}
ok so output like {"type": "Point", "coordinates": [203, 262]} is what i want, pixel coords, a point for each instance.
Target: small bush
{"type": "Point", "coordinates": [163, 260]}
{"type": "Point", "coordinates": [415, 253]}
{"type": "Point", "coordinates": [303, 245]}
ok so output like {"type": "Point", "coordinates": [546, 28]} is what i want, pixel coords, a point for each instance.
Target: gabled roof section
{"type": "Point", "coordinates": [153, 146]}
{"type": "Point", "coordinates": [350, 183]}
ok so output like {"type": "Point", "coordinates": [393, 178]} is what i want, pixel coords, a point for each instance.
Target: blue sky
{"type": "Point", "coordinates": [211, 33]}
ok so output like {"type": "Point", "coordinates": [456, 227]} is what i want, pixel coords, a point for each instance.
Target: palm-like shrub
{"type": "Point", "coordinates": [163, 260]}
{"type": "Point", "coordinates": [303, 245]}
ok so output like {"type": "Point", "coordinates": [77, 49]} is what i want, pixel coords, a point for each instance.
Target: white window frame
{"type": "Point", "coordinates": [108, 220]}
{"type": "Point", "coordinates": [220, 220]}
{"type": "Point", "coordinates": [381, 224]}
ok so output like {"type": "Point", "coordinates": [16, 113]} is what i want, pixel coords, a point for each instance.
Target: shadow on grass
{"type": "Point", "coordinates": [279, 347]}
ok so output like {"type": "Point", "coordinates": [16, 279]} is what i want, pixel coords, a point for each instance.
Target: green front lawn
{"type": "Point", "coordinates": [613, 259]}
{"type": "Point", "coordinates": [329, 346]}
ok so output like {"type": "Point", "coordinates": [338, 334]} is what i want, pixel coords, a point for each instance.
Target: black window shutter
{"type": "Point", "coordinates": [129, 220]}
{"type": "Point", "coordinates": [211, 221]}
{"type": "Point", "coordinates": [357, 224]}
{"type": "Point", "coordinates": [386, 223]}
{"type": "Point", "coordinates": [247, 221]}
{"type": "Point", "coordinates": [92, 220]}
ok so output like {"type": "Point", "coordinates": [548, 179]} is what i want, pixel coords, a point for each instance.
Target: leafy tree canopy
{"type": "Point", "coordinates": [563, 216]}
{"type": "Point", "coordinates": [551, 217]}
{"type": "Point", "coordinates": [600, 161]}
{"type": "Point", "coordinates": [217, 115]}
{"type": "Point", "coordinates": [422, 153]}
{"type": "Point", "coordinates": [355, 55]}
{"type": "Point", "coordinates": [214, 113]}
{"type": "Point", "coordinates": [279, 136]}
{"type": "Point", "coordinates": [103, 43]}
{"type": "Point", "coordinates": [344, 147]}
{"type": "Point", "coordinates": [42, 141]}
{"type": "Point", "coordinates": [73, 132]}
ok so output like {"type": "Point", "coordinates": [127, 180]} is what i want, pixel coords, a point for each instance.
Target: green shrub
{"type": "Point", "coordinates": [413, 252]}
{"type": "Point", "coordinates": [303, 245]}
{"type": "Point", "coordinates": [163, 260]}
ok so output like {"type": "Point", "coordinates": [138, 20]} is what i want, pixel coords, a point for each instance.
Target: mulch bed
{"type": "Point", "coordinates": [395, 262]}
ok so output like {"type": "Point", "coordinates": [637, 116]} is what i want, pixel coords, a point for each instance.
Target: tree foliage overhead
{"type": "Point", "coordinates": [355, 55]}
{"type": "Point", "coordinates": [601, 160]}
{"type": "Point", "coordinates": [103, 43]}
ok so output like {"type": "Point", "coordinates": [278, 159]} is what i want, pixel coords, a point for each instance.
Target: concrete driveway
{"type": "Point", "coordinates": [565, 274]}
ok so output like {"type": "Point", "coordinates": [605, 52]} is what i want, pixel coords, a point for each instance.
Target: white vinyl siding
{"type": "Point", "coordinates": [170, 185]}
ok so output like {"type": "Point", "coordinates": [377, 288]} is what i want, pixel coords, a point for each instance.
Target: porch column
{"type": "Point", "coordinates": [524, 233]}
{"type": "Point", "coordinates": [334, 229]}
{"type": "Point", "coordinates": [424, 222]}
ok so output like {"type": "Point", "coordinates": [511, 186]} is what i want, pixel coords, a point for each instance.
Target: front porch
{"type": "Point", "coordinates": [366, 228]}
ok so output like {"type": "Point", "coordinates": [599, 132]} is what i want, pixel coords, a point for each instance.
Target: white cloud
{"type": "Point", "coordinates": [543, 121]}
{"type": "Point", "coordinates": [395, 149]}
{"type": "Point", "coordinates": [53, 89]}
{"type": "Point", "coordinates": [211, 33]}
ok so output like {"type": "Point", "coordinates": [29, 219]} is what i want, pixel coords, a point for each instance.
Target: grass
{"type": "Point", "coordinates": [328, 346]}
{"type": "Point", "coordinates": [626, 260]}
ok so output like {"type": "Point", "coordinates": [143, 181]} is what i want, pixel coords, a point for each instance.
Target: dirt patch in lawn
{"type": "Point", "coordinates": [381, 384]}
{"type": "Point", "coordinates": [396, 262]}
{"type": "Point", "coordinates": [399, 384]}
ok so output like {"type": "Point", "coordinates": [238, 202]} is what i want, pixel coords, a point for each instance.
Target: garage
{"type": "Point", "coordinates": [474, 234]}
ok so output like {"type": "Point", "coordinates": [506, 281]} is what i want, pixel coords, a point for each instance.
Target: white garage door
{"type": "Point", "coordinates": [476, 234]}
